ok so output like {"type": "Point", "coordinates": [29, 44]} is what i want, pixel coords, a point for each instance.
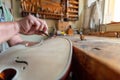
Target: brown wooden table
{"type": "Point", "coordinates": [96, 58]}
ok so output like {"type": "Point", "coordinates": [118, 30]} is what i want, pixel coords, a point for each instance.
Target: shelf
{"type": "Point", "coordinates": [72, 11]}
{"type": "Point", "coordinates": [73, 2]}
{"type": "Point", "coordinates": [73, 7]}
{"type": "Point", "coordinates": [73, 16]}
{"type": "Point", "coordinates": [43, 15]}
{"type": "Point", "coordinates": [49, 9]}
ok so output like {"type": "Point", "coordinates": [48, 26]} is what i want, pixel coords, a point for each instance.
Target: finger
{"type": "Point", "coordinates": [41, 25]}
{"type": "Point", "coordinates": [45, 30]}
{"type": "Point", "coordinates": [34, 22]}
{"type": "Point", "coordinates": [38, 25]}
{"type": "Point", "coordinates": [28, 44]}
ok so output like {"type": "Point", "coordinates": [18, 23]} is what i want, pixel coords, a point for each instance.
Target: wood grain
{"type": "Point", "coordinates": [98, 57]}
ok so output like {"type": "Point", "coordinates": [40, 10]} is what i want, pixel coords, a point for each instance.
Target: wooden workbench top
{"type": "Point", "coordinates": [100, 56]}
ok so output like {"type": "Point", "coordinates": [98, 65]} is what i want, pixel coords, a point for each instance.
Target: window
{"type": "Point", "coordinates": [116, 16]}
{"type": "Point", "coordinates": [111, 11]}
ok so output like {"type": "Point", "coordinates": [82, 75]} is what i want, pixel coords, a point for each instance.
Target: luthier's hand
{"type": "Point", "coordinates": [28, 25]}
{"type": "Point", "coordinates": [32, 25]}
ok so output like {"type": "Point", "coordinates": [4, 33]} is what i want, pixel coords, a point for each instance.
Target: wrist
{"type": "Point", "coordinates": [16, 27]}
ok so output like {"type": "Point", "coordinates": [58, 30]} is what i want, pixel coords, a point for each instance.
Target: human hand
{"type": "Point", "coordinates": [32, 25]}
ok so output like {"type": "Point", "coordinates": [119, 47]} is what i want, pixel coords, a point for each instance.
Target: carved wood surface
{"type": "Point", "coordinates": [37, 62]}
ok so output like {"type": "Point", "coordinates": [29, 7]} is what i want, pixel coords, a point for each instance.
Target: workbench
{"type": "Point", "coordinates": [95, 58]}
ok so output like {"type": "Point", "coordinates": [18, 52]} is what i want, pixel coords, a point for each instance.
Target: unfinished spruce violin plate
{"type": "Point", "coordinates": [47, 61]}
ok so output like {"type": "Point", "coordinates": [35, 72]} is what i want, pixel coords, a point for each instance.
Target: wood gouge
{"type": "Point", "coordinates": [44, 33]}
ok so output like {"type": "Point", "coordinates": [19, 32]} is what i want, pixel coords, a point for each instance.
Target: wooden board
{"type": "Point", "coordinates": [96, 58]}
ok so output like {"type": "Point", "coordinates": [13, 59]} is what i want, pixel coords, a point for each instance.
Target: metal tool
{"type": "Point", "coordinates": [44, 33]}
